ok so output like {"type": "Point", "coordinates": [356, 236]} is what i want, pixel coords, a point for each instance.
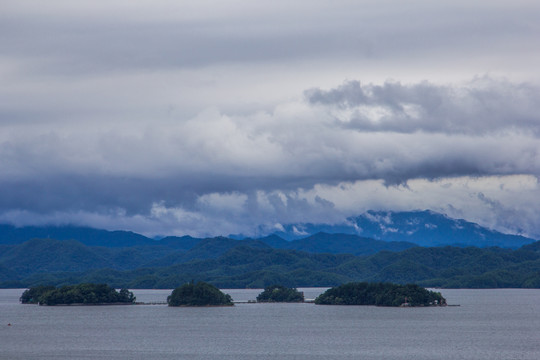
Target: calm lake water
{"type": "Point", "coordinates": [489, 324]}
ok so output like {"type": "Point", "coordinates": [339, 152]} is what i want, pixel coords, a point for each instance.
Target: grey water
{"type": "Point", "coordinates": [488, 324]}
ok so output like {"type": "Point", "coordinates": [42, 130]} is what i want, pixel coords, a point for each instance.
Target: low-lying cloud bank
{"type": "Point", "coordinates": [470, 150]}
{"type": "Point", "coordinates": [505, 203]}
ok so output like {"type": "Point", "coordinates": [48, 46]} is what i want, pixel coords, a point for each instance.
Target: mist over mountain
{"type": "Point", "coordinates": [424, 228]}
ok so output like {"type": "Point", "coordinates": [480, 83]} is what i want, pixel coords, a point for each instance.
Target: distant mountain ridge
{"type": "Point", "coordinates": [424, 228]}
{"type": "Point", "coordinates": [429, 228]}
{"type": "Point", "coordinates": [10, 234]}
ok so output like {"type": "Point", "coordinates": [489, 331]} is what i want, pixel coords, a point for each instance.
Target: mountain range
{"type": "Point", "coordinates": [255, 266]}
{"type": "Point", "coordinates": [70, 254]}
{"type": "Point", "coordinates": [424, 228]}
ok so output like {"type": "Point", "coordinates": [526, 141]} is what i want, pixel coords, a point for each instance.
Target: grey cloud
{"type": "Point", "coordinates": [214, 152]}
{"type": "Point", "coordinates": [162, 112]}
{"type": "Point", "coordinates": [513, 209]}
{"type": "Point", "coordinates": [482, 106]}
{"type": "Point", "coordinates": [84, 47]}
{"type": "Point", "coordinates": [508, 218]}
{"type": "Point", "coordinates": [42, 179]}
{"type": "Point", "coordinates": [116, 39]}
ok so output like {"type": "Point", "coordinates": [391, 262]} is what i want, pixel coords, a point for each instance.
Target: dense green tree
{"type": "Point", "coordinates": [32, 295]}
{"type": "Point", "coordinates": [77, 294]}
{"type": "Point", "coordinates": [279, 293]}
{"type": "Point", "coordinates": [380, 294]}
{"type": "Point", "coordinates": [124, 295]}
{"type": "Point", "coordinates": [249, 267]}
{"type": "Point", "coordinates": [199, 294]}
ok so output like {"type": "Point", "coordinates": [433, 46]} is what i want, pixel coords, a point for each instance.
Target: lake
{"type": "Point", "coordinates": [488, 324]}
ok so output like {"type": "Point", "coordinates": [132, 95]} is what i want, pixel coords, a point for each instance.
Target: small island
{"type": "Point", "coordinates": [82, 294]}
{"type": "Point", "coordinates": [199, 294]}
{"type": "Point", "coordinates": [278, 293]}
{"type": "Point", "coordinates": [380, 294]}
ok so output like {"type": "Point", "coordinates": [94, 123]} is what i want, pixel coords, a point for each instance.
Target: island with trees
{"type": "Point", "coordinates": [380, 294]}
{"type": "Point", "coordinates": [82, 294]}
{"type": "Point", "coordinates": [279, 293]}
{"type": "Point", "coordinates": [198, 294]}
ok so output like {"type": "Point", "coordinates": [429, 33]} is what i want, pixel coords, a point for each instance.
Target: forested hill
{"type": "Point", "coordinates": [336, 244]}
{"type": "Point", "coordinates": [258, 266]}
{"type": "Point", "coordinates": [64, 255]}
{"type": "Point", "coordinates": [48, 255]}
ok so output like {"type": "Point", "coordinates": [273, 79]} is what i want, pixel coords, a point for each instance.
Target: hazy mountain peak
{"type": "Point", "coordinates": [422, 227]}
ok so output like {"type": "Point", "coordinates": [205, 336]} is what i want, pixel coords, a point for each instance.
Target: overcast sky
{"type": "Point", "coordinates": [218, 117]}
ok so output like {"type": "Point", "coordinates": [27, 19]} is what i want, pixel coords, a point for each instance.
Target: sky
{"type": "Point", "coordinates": [213, 118]}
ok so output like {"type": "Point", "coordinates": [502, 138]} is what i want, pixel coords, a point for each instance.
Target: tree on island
{"type": "Point", "coordinates": [380, 294]}
{"type": "Point", "coordinates": [278, 293]}
{"type": "Point", "coordinates": [32, 295]}
{"type": "Point", "coordinates": [88, 294]}
{"type": "Point", "coordinates": [199, 294]}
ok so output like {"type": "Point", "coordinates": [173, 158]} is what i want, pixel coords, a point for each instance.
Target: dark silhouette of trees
{"type": "Point", "coordinates": [380, 294]}
{"type": "Point", "coordinates": [77, 294]}
{"type": "Point", "coordinates": [278, 293]}
{"type": "Point", "coordinates": [199, 294]}
{"type": "Point", "coordinates": [32, 295]}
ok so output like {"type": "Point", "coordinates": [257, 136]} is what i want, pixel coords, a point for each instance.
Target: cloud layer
{"type": "Point", "coordinates": [483, 106]}
{"type": "Point", "coordinates": [208, 119]}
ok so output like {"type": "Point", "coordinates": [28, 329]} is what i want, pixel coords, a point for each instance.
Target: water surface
{"type": "Point", "coordinates": [489, 324]}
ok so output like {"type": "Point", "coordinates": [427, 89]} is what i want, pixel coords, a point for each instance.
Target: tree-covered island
{"type": "Point", "coordinates": [380, 294]}
{"type": "Point", "coordinates": [82, 294]}
{"type": "Point", "coordinates": [199, 294]}
{"type": "Point", "coordinates": [278, 293]}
